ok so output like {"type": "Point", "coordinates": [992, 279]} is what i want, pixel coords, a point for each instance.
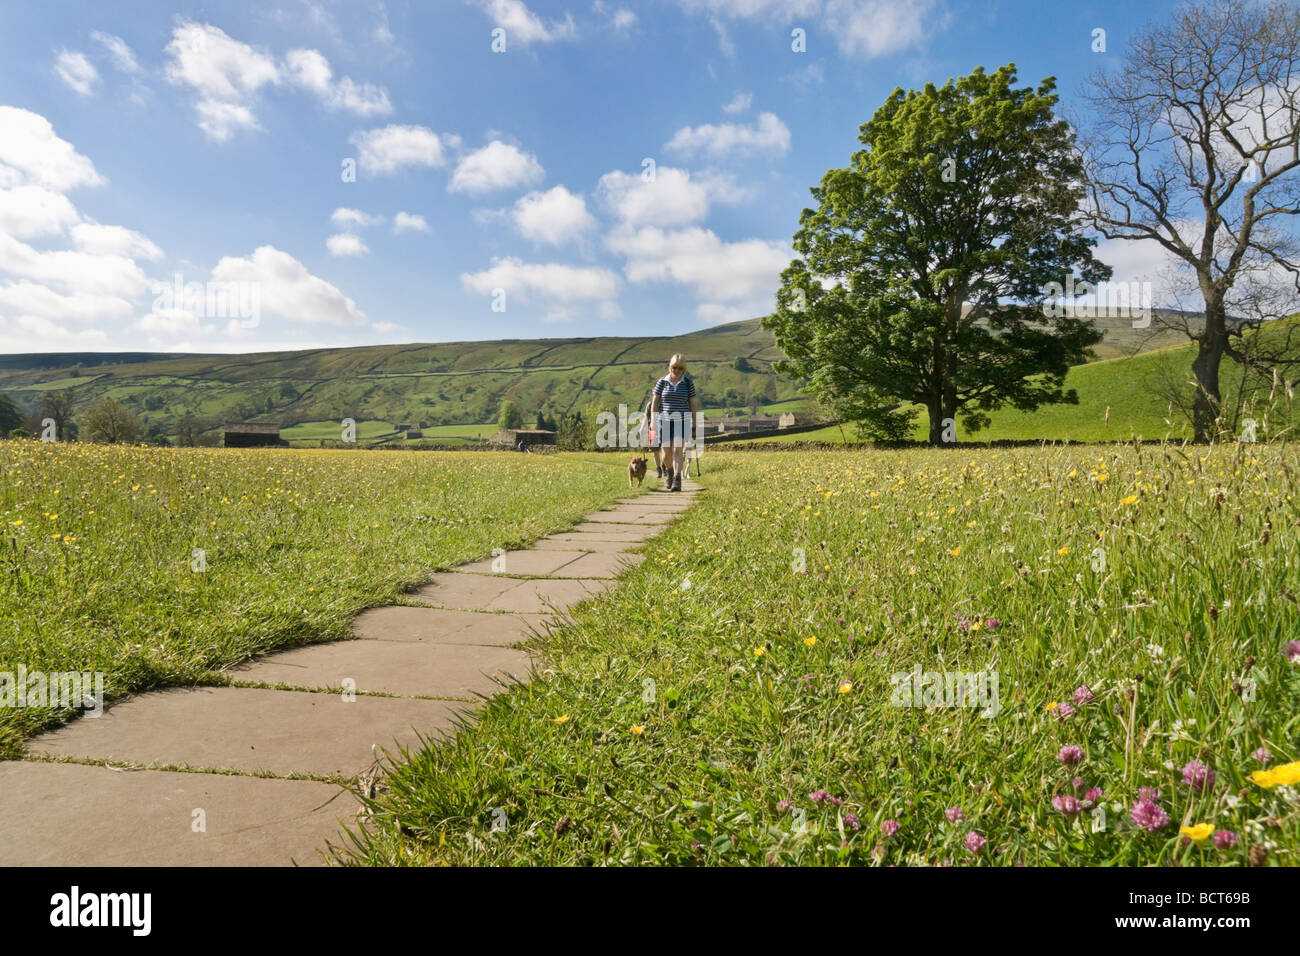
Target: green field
{"type": "Point", "coordinates": [734, 700]}
{"type": "Point", "coordinates": [99, 542]}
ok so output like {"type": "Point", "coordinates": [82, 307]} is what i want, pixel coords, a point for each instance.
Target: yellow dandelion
{"type": "Point", "coordinates": [955, 551]}
{"type": "Point", "coordinates": [562, 719]}
{"type": "Point", "coordinates": [760, 651]}
{"type": "Point", "coordinates": [1062, 550]}
{"type": "Point", "coordinates": [845, 686]}
{"type": "Point", "coordinates": [1128, 501]}
{"type": "Point", "coordinates": [810, 641]}
{"type": "Point", "coordinates": [637, 729]}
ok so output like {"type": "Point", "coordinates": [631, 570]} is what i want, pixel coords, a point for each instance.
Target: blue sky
{"type": "Point", "coordinates": [140, 141]}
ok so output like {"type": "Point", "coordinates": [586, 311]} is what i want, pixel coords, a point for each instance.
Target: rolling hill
{"type": "Point", "coordinates": [437, 386]}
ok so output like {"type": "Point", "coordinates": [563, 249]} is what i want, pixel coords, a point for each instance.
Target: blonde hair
{"type": "Point", "coordinates": [676, 360]}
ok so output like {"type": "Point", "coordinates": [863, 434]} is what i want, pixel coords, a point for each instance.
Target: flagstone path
{"type": "Point", "coordinates": [249, 775]}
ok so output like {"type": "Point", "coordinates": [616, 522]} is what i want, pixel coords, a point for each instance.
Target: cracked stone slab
{"type": "Point", "coordinates": [628, 516]}
{"type": "Point", "coordinates": [55, 814]}
{"type": "Point", "coordinates": [589, 543]}
{"type": "Point", "coordinates": [539, 563]}
{"type": "Point", "coordinates": [616, 532]}
{"type": "Point", "coordinates": [495, 593]}
{"type": "Point", "coordinates": [597, 565]}
{"type": "Point", "coordinates": [392, 667]}
{"type": "Point", "coordinates": [432, 625]}
{"type": "Point", "coordinates": [251, 730]}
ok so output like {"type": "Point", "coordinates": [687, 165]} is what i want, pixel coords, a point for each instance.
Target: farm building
{"type": "Point", "coordinates": [252, 435]}
{"type": "Point", "coordinates": [522, 437]}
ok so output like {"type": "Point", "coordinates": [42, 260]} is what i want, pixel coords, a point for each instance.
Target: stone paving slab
{"type": "Point", "coordinates": [627, 516]}
{"type": "Point", "coordinates": [432, 625]}
{"type": "Point", "coordinates": [616, 532]}
{"type": "Point", "coordinates": [392, 667]}
{"type": "Point", "coordinates": [592, 543]}
{"type": "Point", "coordinates": [522, 562]}
{"type": "Point", "coordinates": [55, 814]}
{"type": "Point", "coordinates": [601, 565]}
{"type": "Point", "coordinates": [250, 729]}
{"type": "Point", "coordinates": [495, 593]}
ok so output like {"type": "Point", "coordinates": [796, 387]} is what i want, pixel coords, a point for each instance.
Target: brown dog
{"type": "Point", "coordinates": [636, 471]}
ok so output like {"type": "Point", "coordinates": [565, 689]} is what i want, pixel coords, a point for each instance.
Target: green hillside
{"type": "Point", "coordinates": [433, 385]}
{"type": "Point", "coordinates": [453, 390]}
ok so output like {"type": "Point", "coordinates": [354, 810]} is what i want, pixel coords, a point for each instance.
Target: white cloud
{"type": "Point", "coordinates": [224, 73]}
{"type": "Point", "coordinates": [170, 322]}
{"type": "Point", "coordinates": [310, 70]}
{"type": "Point", "coordinates": [288, 290]}
{"type": "Point", "coordinates": [717, 271]}
{"type": "Point", "coordinates": [346, 244]}
{"type": "Point", "coordinates": [740, 102]}
{"type": "Point", "coordinates": [117, 48]}
{"type": "Point", "coordinates": [32, 298]}
{"type": "Point", "coordinates": [672, 198]}
{"type": "Point", "coordinates": [79, 272]}
{"type": "Point", "coordinates": [522, 26]}
{"type": "Point", "coordinates": [871, 28]}
{"type": "Point", "coordinates": [767, 135]}
{"type": "Point", "coordinates": [497, 165]}
{"type": "Point", "coordinates": [27, 333]}
{"type": "Point", "coordinates": [114, 241]}
{"type": "Point", "coordinates": [555, 216]}
{"type": "Point", "coordinates": [621, 20]}
{"type": "Point", "coordinates": [409, 222]}
{"type": "Point", "coordinates": [75, 70]}
{"type": "Point", "coordinates": [864, 28]}
{"type": "Point", "coordinates": [390, 148]}
{"type": "Point", "coordinates": [524, 281]}
{"type": "Point", "coordinates": [345, 217]}
{"type": "Point", "coordinates": [27, 211]}
{"type": "Point", "coordinates": [30, 146]}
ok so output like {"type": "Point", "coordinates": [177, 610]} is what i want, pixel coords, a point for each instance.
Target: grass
{"type": "Point", "coordinates": [97, 548]}
{"type": "Point", "coordinates": [732, 701]}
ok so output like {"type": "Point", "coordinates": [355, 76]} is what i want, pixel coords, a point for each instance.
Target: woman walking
{"type": "Point", "coordinates": [674, 408]}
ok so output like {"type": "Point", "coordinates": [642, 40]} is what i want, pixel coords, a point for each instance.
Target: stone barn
{"type": "Point", "coordinates": [252, 435]}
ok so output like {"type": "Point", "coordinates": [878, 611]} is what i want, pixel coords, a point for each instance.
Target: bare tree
{"type": "Point", "coordinates": [1194, 145]}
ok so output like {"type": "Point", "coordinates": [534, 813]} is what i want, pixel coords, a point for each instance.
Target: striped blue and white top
{"type": "Point", "coordinates": [675, 398]}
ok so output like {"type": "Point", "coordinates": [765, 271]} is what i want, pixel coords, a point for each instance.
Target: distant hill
{"type": "Point", "coordinates": [432, 385]}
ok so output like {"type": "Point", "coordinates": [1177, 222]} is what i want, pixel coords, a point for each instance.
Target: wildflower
{"type": "Point", "coordinates": [1148, 815]}
{"type": "Point", "coordinates": [760, 651]}
{"type": "Point", "coordinates": [1263, 756]}
{"type": "Point", "coordinates": [782, 806]}
{"type": "Point", "coordinates": [1093, 795]}
{"type": "Point", "coordinates": [993, 624]}
{"type": "Point", "coordinates": [1066, 804]}
{"type": "Point", "coordinates": [1062, 550]}
{"type": "Point", "coordinates": [1292, 651]}
{"type": "Point", "coordinates": [562, 719]}
{"type": "Point", "coordinates": [889, 827]}
{"type": "Point", "coordinates": [1287, 774]}
{"type": "Point", "coordinates": [955, 551]}
{"type": "Point", "coordinates": [1225, 839]}
{"type": "Point", "coordinates": [1197, 834]}
{"type": "Point", "coordinates": [1063, 711]}
{"type": "Point", "coordinates": [637, 729]}
{"type": "Point", "coordinates": [1082, 695]}
{"type": "Point", "coordinates": [818, 796]}
{"type": "Point", "coordinates": [1148, 793]}
{"type": "Point", "coordinates": [975, 842]}
{"type": "Point", "coordinates": [1077, 782]}
{"type": "Point", "coordinates": [1070, 755]}
{"type": "Point", "coordinates": [845, 686]}
{"type": "Point", "coordinates": [1129, 500]}
{"type": "Point", "coordinates": [1198, 776]}
{"type": "Point", "coordinates": [852, 822]}
{"type": "Point", "coordinates": [954, 814]}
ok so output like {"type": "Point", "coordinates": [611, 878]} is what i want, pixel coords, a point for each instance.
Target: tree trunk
{"type": "Point", "coordinates": [935, 407]}
{"type": "Point", "coordinates": [1205, 367]}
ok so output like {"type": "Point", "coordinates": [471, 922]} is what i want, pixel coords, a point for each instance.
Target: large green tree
{"type": "Point", "coordinates": [921, 273]}
{"type": "Point", "coordinates": [108, 420]}
{"type": "Point", "coordinates": [10, 417]}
